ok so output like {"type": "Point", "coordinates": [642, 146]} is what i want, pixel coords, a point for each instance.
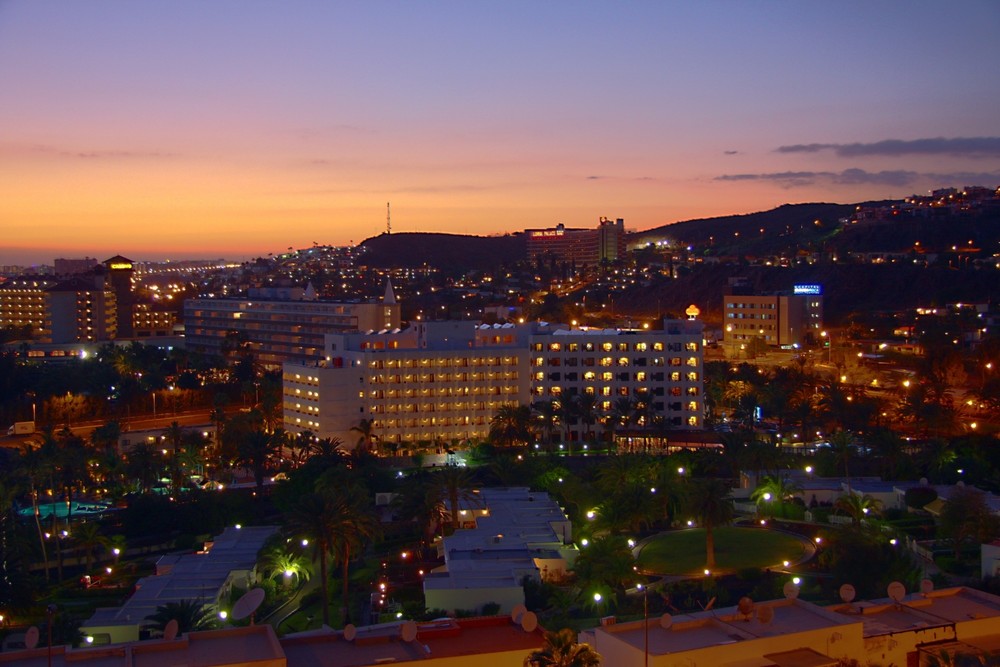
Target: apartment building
{"type": "Point", "coordinates": [583, 246]}
{"type": "Point", "coordinates": [446, 380]}
{"type": "Point", "coordinates": [286, 327]}
{"type": "Point", "coordinates": [77, 309]}
{"type": "Point", "coordinates": [781, 319]}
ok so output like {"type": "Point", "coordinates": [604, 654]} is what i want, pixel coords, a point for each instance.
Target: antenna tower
{"type": "Point", "coordinates": [388, 220]}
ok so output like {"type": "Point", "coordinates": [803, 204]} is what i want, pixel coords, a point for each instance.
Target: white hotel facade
{"type": "Point", "coordinates": [445, 380]}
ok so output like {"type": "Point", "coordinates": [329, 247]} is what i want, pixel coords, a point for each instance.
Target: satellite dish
{"type": "Point", "coordinates": [529, 621]}
{"type": "Point", "coordinates": [247, 604]}
{"type": "Point", "coordinates": [408, 631]}
{"type": "Point", "coordinates": [745, 606]}
{"type": "Point", "coordinates": [847, 593]}
{"type": "Point", "coordinates": [31, 637]}
{"type": "Point", "coordinates": [666, 621]}
{"type": "Point", "coordinates": [765, 614]}
{"type": "Point", "coordinates": [926, 586]}
{"type": "Point", "coordinates": [897, 591]}
{"type": "Point", "coordinates": [350, 632]}
{"type": "Point", "coordinates": [518, 611]}
{"type": "Point", "coordinates": [790, 590]}
{"type": "Point", "coordinates": [170, 632]}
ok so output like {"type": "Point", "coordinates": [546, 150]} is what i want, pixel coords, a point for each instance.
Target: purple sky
{"type": "Point", "coordinates": [236, 128]}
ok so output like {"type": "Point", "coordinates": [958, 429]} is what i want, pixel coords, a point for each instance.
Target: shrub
{"type": "Point", "coordinates": [490, 609]}
{"type": "Point", "coordinates": [918, 496]}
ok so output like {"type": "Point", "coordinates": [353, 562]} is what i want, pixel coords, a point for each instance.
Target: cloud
{"type": "Point", "coordinates": [786, 178]}
{"type": "Point", "coordinates": [959, 146]}
{"type": "Point", "coordinates": [855, 176]}
{"type": "Point", "coordinates": [730, 152]}
{"type": "Point", "coordinates": [17, 149]}
{"type": "Point", "coordinates": [594, 178]}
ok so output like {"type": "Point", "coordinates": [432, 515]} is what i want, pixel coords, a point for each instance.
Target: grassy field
{"type": "Point", "coordinates": [683, 551]}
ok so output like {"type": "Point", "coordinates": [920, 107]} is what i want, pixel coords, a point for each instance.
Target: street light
{"type": "Point", "coordinates": [645, 624]}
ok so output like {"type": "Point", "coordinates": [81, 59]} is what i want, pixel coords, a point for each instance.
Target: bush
{"type": "Point", "coordinates": [918, 496]}
{"type": "Point", "coordinates": [821, 515]}
{"type": "Point", "coordinates": [490, 609]}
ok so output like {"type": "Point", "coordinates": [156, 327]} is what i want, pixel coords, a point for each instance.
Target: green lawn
{"type": "Point", "coordinates": [683, 551]}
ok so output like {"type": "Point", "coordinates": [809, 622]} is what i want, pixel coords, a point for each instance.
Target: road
{"type": "Point", "coordinates": [137, 423]}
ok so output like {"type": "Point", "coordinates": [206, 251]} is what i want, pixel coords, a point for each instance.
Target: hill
{"type": "Point", "coordinates": [848, 288]}
{"type": "Point", "coordinates": [447, 252]}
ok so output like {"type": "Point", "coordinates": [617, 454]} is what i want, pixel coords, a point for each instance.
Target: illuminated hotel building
{"type": "Point", "coordinates": [780, 319]}
{"type": "Point", "coordinates": [583, 246]}
{"type": "Point", "coordinates": [79, 309]}
{"type": "Point", "coordinates": [281, 330]}
{"type": "Point", "coordinates": [446, 380]}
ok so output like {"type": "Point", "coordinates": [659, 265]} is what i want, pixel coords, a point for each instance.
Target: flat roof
{"type": "Point", "coordinates": [436, 639]}
{"type": "Point", "coordinates": [247, 645]}
{"type": "Point", "coordinates": [192, 576]}
{"type": "Point", "coordinates": [726, 626]}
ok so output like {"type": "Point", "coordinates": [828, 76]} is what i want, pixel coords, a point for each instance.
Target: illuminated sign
{"type": "Point", "coordinates": [692, 311]}
{"type": "Point", "coordinates": [121, 265]}
{"type": "Point", "coordinates": [547, 233]}
{"type": "Point", "coordinates": [808, 289]}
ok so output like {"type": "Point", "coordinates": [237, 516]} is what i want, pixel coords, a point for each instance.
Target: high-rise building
{"type": "Point", "coordinates": [781, 319]}
{"type": "Point", "coordinates": [446, 380]}
{"type": "Point", "coordinates": [286, 327]}
{"type": "Point", "coordinates": [583, 246]}
{"type": "Point", "coordinates": [119, 272]}
{"type": "Point", "coordinates": [77, 309]}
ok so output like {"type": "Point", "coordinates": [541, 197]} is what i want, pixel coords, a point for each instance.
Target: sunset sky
{"type": "Point", "coordinates": [214, 128]}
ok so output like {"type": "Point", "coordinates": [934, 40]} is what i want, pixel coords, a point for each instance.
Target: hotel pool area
{"type": "Point", "coordinates": [77, 509]}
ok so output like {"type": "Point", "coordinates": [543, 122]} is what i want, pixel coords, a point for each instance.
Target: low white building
{"type": "Point", "coordinates": [207, 576]}
{"type": "Point", "coordinates": [795, 633]}
{"type": "Point", "coordinates": [515, 533]}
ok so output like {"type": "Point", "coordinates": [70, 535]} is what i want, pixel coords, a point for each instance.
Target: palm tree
{"type": "Point", "coordinates": [34, 467]}
{"type": "Point", "coordinates": [545, 412]}
{"type": "Point", "coordinates": [143, 465]}
{"type": "Point", "coordinates": [776, 489]}
{"type": "Point", "coordinates": [454, 484]}
{"type": "Point", "coordinates": [586, 409]}
{"type": "Point", "coordinates": [255, 452]}
{"type": "Point", "coordinates": [858, 506]}
{"type": "Point", "coordinates": [709, 502]}
{"type": "Point", "coordinates": [511, 425]}
{"type": "Point", "coordinates": [619, 416]}
{"type": "Point", "coordinates": [367, 438]}
{"type": "Point", "coordinates": [88, 537]}
{"type": "Point", "coordinates": [191, 615]}
{"type": "Point", "coordinates": [566, 414]}
{"type": "Point", "coordinates": [279, 563]}
{"type": "Point", "coordinates": [562, 650]}
{"type": "Point", "coordinates": [418, 498]}
{"type": "Point", "coordinates": [842, 445]}
{"type": "Point", "coordinates": [341, 523]}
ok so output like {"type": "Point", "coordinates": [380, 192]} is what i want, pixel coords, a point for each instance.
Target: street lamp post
{"type": "Point", "coordinates": [153, 392]}
{"type": "Point", "coordinates": [645, 625]}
